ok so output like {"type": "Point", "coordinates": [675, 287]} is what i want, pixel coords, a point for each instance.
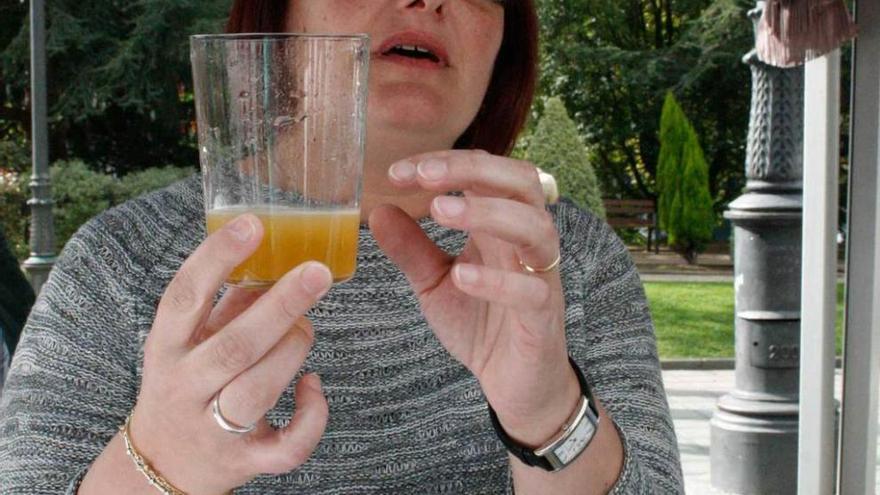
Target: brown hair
{"type": "Point", "coordinates": [509, 96]}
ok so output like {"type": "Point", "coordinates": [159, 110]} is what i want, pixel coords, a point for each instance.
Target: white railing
{"type": "Point", "coordinates": [861, 365]}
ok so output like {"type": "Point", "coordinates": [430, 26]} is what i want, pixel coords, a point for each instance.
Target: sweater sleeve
{"type": "Point", "coordinates": [73, 377]}
{"type": "Point", "coordinates": [618, 353]}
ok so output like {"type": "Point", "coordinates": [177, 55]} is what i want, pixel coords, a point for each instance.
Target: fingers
{"type": "Point", "coordinates": [255, 391]}
{"type": "Point", "coordinates": [188, 298]}
{"type": "Point", "coordinates": [234, 302]}
{"type": "Point", "coordinates": [289, 448]}
{"type": "Point", "coordinates": [423, 263]}
{"type": "Point", "coordinates": [503, 198]}
{"type": "Point", "coordinates": [530, 230]}
{"type": "Point", "coordinates": [514, 290]}
{"type": "Point", "coordinates": [248, 337]}
{"type": "Point", "coordinates": [475, 171]}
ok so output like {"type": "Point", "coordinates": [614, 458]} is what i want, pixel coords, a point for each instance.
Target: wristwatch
{"type": "Point", "coordinates": [574, 436]}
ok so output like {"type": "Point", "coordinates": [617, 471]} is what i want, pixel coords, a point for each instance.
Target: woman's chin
{"type": "Point", "coordinates": [418, 125]}
{"type": "Point", "coordinates": [410, 108]}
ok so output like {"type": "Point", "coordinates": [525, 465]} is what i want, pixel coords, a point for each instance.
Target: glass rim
{"type": "Point", "coordinates": [279, 36]}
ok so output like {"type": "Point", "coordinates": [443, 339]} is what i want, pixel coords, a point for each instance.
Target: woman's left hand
{"type": "Point", "coordinates": [504, 324]}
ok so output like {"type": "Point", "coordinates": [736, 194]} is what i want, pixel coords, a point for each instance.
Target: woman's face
{"type": "Point", "coordinates": [431, 60]}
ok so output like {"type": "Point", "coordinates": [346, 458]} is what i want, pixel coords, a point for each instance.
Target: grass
{"type": "Point", "coordinates": [696, 320]}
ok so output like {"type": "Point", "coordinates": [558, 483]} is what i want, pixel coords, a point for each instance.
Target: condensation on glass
{"type": "Point", "coordinates": [281, 123]}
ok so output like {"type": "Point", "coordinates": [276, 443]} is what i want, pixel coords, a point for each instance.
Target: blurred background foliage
{"type": "Point", "coordinates": [79, 193]}
{"type": "Point", "coordinates": [613, 61]}
{"type": "Point", "coordinates": [120, 97]}
{"type": "Point", "coordinates": [119, 77]}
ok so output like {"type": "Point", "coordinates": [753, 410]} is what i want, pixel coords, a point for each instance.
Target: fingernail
{"type": "Point", "coordinates": [449, 206]}
{"type": "Point", "coordinates": [467, 274]}
{"type": "Point", "coordinates": [241, 228]}
{"type": "Point", "coordinates": [433, 169]}
{"type": "Point", "coordinates": [402, 171]}
{"type": "Point", "coordinates": [316, 278]}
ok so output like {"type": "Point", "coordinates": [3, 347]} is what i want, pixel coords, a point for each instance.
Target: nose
{"type": "Point", "coordinates": [427, 5]}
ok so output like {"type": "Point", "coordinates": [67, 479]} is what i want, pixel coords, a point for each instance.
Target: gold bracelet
{"type": "Point", "coordinates": [143, 466]}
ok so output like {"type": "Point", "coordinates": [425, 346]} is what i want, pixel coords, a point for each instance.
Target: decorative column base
{"type": "Point", "coordinates": [754, 431]}
{"type": "Point", "coordinates": [755, 445]}
{"type": "Point", "coordinates": [37, 269]}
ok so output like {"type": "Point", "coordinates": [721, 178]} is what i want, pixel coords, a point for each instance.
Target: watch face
{"type": "Point", "coordinates": [576, 442]}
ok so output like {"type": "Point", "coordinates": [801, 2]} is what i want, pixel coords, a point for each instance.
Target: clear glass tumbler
{"type": "Point", "coordinates": [281, 122]}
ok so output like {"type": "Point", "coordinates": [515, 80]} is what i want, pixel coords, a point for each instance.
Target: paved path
{"type": "Point", "coordinates": [692, 398]}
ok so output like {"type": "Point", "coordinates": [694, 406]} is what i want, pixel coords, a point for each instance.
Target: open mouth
{"type": "Point", "coordinates": [413, 51]}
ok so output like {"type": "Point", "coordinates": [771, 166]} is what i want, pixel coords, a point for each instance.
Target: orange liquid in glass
{"type": "Point", "coordinates": [291, 237]}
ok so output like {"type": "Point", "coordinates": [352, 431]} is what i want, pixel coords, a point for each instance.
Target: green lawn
{"type": "Point", "coordinates": [695, 320]}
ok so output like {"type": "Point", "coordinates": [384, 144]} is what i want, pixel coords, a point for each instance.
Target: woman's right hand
{"type": "Point", "coordinates": [247, 349]}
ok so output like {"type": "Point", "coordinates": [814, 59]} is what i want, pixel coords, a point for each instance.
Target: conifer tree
{"type": "Point", "coordinates": [684, 204]}
{"type": "Point", "coordinates": [557, 148]}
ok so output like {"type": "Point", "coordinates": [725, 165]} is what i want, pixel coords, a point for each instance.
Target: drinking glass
{"type": "Point", "coordinates": [281, 121]}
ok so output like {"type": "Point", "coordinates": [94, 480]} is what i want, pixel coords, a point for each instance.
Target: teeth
{"type": "Point", "coordinates": [413, 48]}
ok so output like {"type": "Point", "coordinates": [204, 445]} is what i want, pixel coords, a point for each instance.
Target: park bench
{"type": "Point", "coordinates": [634, 213]}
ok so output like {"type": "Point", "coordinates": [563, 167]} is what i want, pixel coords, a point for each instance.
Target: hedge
{"type": "Point", "coordinates": [557, 148]}
{"type": "Point", "coordinates": [79, 193]}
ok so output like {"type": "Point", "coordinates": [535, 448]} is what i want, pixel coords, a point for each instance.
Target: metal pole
{"type": "Point", "coordinates": [42, 255]}
{"type": "Point", "coordinates": [816, 452]}
{"type": "Point", "coordinates": [861, 354]}
{"type": "Point", "coordinates": [754, 430]}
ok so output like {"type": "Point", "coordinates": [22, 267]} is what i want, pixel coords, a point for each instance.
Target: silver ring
{"type": "Point", "coordinates": [225, 423]}
{"type": "Point", "coordinates": [551, 267]}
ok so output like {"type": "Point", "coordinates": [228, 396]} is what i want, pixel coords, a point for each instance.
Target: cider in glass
{"type": "Point", "coordinates": [292, 236]}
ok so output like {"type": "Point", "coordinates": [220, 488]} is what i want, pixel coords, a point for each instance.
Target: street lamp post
{"type": "Point", "coordinates": [42, 255]}
{"type": "Point", "coordinates": [754, 431]}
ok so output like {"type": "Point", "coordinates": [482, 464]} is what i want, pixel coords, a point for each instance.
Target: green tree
{"type": "Point", "coordinates": [13, 118]}
{"type": "Point", "coordinates": [556, 147]}
{"type": "Point", "coordinates": [613, 61]}
{"type": "Point", "coordinates": [119, 78]}
{"type": "Point", "coordinates": [685, 205]}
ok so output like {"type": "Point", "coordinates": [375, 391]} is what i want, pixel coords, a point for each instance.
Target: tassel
{"type": "Point", "coordinates": [792, 32]}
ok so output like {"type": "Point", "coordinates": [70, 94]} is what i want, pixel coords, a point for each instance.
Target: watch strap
{"type": "Point", "coordinates": [528, 455]}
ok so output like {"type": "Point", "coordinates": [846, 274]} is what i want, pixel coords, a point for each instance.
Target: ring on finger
{"type": "Point", "coordinates": [548, 268]}
{"type": "Point", "coordinates": [225, 423]}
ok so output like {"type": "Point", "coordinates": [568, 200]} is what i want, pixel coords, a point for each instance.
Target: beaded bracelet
{"type": "Point", "coordinates": [143, 466]}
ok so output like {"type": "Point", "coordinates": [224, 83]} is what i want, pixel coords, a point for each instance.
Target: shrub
{"type": "Point", "coordinates": [138, 183]}
{"type": "Point", "coordinates": [685, 203]}
{"type": "Point", "coordinates": [14, 212]}
{"type": "Point", "coordinates": [79, 193]}
{"type": "Point", "coordinates": [15, 155]}
{"type": "Point", "coordinates": [557, 148]}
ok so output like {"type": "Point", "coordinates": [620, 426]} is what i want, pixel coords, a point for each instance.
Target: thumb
{"type": "Point", "coordinates": [401, 238]}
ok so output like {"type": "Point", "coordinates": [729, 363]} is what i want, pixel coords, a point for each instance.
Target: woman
{"type": "Point", "coordinates": [409, 352]}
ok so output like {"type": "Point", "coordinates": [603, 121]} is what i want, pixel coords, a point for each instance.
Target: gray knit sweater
{"type": "Point", "coordinates": [405, 417]}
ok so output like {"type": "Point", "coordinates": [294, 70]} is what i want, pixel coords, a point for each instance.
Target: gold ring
{"type": "Point", "coordinates": [548, 185]}
{"type": "Point", "coordinates": [225, 423]}
{"type": "Point", "coordinates": [551, 267]}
